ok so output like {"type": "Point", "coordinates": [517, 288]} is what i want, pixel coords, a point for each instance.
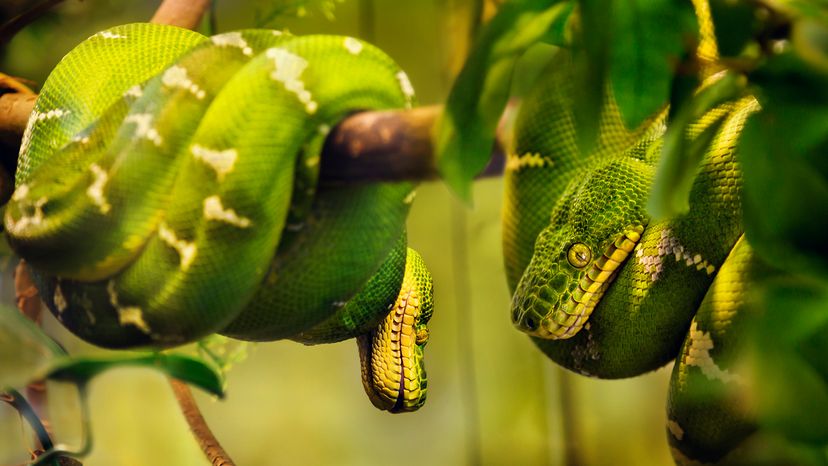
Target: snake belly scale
{"type": "Point", "coordinates": [167, 190]}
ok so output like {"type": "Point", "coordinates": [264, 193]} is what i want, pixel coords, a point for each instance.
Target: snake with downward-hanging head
{"type": "Point", "coordinates": [167, 189]}
{"type": "Point", "coordinates": [606, 291]}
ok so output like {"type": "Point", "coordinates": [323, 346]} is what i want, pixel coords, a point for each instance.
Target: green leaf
{"type": "Point", "coordinates": [185, 368]}
{"type": "Point", "coordinates": [591, 62]}
{"type": "Point", "coordinates": [789, 368]}
{"type": "Point", "coordinates": [268, 13]}
{"type": "Point", "coordinates": [785, 170]}
{"type": "Point", "coordinates": [680, 156]}
{"type": "Point", "coordinates": [466, 130]}
{"type": "Point", "coordinates": [649, 40]}
{"type": "Point", "coordinates": [26, 353]}
{"type": "Point", "coordinates": [734, 24]}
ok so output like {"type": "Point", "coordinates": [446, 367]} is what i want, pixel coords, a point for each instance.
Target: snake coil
{"type": "Point", "coordinates": [167, 190]}
{"type": "Point", "coordinates": [607, 292]}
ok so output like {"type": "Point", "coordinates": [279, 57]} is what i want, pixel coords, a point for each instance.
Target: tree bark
{"type": "Point", "coordinates": [182, 13]}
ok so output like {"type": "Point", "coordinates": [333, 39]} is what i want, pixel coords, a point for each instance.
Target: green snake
{"type": "Point", "coordinates": [607, 292]}
{"type": "Point", "coordinates": [167, 189]}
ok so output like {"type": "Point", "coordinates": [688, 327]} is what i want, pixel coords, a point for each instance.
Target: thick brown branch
{"type": "Point", "coordinates": [206, 440]}
{"type": "Point", "coordinates": [387, 146]}
{"type": "Point", "coordinates": [15, 109]}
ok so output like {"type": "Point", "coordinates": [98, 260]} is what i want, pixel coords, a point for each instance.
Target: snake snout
{"type": "Point", "coordinates": [534, 303]}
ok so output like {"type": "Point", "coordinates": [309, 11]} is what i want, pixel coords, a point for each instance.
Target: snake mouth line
{"type": "Point", "coordinates": [572, 316]}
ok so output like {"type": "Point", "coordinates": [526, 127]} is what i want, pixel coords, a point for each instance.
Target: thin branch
{"type": "Point", "coordinates": [16, 24]}
{"type": "Point", "coordinates": [206, 440]}
{"type": "Point", "coordinates": [182, 13]}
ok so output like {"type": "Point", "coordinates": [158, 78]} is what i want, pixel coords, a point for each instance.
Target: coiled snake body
{"type": "Point", "coordinates": [166, 190]}
{"type": "Point", "coordinates": [605, 291]}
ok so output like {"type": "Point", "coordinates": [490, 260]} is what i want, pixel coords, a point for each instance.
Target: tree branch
{"type": "Point", "coordinates": [182, 13]}
{"type": "Point", "coordinates": [392, 145]}
{"type": "Point", "coordinates": [15, 109]}
{"type": "Point", "coordinates": [206, 440]}
{"type": "Point", "coordinates": [17, 23]}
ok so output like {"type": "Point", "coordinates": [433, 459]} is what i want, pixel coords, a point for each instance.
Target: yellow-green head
{"type": "Point", "coordinates": [393, 369]}
{"type": "Point", "coordinates": [593, 229]}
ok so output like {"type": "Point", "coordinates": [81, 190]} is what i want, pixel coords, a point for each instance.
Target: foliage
{"type": "Point", "coordinates": [270, 12]}
{"type": "Point", "coordinates": [27, 354]}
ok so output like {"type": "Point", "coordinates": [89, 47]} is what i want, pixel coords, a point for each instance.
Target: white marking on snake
{"type": "Point", "coordinates": [312, 161]}
{"type": "Point", "coordinates": [289, 68]}
{"type": "Point", "coordinates": [699, 355]}
{"type": "Point", "coordinates": [51, 114]}
{"type": "Point", "coordinates": [110, 35]}
{"type": "Point", "coordinates": [515, 162]}
{"type": "Point", "coordinates": [134, 91]}
{"type": "Point", "coordinates": [177, 77]}
{"type": "Point", "coordinates": [95, 190]}
{"type": "Point", "coordinates": [675, 429]}
{"type": "Point", "coordinates": [324, 129]}
{"type": "Point", "coordinates": [233, 39]}
{"type": "Point", "coordinates": [21, 192]}
{"type": "Point", "coordinates": [81, 139]}
{"type": "Point", "coordinates": [353, 45]}
{"type": "Point", "coordinates": [669, 245]}
{"type": "Point", "coordinates": [59, 299]}
{"type": "Point", "coordinates": [406, 87]}
{"type": "Point", "coordinates": [222, 161]}
{"type": "Point", "coordinates": [35, 117]}
{"type": "Point", "coordinates": [27, 134]}
{"type": "Point", "coordinates": [410, 197]}
{"type": "Point", "coordinates": [185, 249]}
{"type": "Point", "coordinates": [127, 315]}
{"type": "Point", "coordinates": [24, 222]}
{"type": "Point", "coordinates": [143, 127]}
{"type": "Point", "coordinates": [214, 210]}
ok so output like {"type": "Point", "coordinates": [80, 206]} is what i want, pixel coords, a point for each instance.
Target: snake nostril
{"type": "Point", "coordinates": [531, 324]}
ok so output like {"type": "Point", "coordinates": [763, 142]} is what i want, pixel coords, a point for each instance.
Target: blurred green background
{"type": "Point", "coordinates": [493, 398]}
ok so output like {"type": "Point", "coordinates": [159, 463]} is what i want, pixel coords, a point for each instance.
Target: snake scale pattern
{"type": "Point", "coordinates": [167, 190]}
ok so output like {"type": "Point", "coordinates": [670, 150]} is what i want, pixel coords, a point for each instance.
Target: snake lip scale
{"type": "Point", "coordinates": [571, 313]}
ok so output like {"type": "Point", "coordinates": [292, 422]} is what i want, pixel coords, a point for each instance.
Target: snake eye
{"type": "Point", "coordinates": [422, 336]}
{"type": "Point", "coordinates": [579, 255]}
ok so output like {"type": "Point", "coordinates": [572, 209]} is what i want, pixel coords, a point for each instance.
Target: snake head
{"type": "Point", "coordinates": [594, 227]}
{"type": "Point", "coordinates": [391, 355]}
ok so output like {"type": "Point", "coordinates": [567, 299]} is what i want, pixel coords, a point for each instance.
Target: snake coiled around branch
{"type": "Point", "coordinates": [167, 190]}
